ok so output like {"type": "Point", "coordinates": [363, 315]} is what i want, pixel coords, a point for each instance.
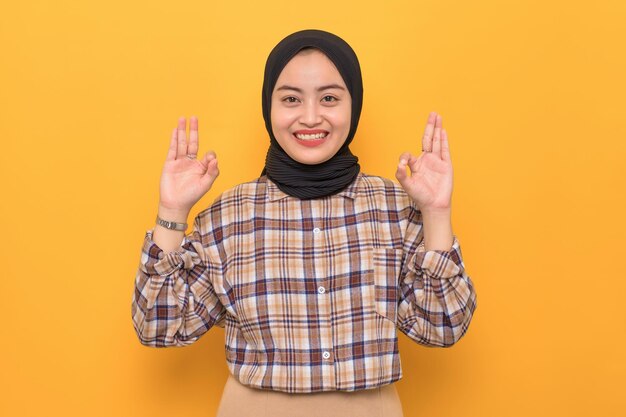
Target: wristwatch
{"type": "Point", "coordinates": [171, 225]}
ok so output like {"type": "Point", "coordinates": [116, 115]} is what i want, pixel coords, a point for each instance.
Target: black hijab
{"type": "Point", "coordinates": [327, 178]}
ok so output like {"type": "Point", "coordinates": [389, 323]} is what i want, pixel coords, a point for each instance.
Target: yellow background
{"type": "Point", "coordinates": [532, 95]}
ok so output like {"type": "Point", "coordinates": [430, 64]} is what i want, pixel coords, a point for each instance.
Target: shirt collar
{"type": "Point", "coordinates": [274, 193]}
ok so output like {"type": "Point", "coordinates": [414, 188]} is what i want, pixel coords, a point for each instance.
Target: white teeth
{"type": "Point", "coordinates": [308, 137]}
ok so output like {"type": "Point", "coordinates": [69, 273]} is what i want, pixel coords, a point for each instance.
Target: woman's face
{"type": "Point", "coordinates": [311, 108]}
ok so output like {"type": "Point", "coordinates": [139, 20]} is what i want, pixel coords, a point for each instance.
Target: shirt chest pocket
{"type": "Point", "coordinates": [386, 268]}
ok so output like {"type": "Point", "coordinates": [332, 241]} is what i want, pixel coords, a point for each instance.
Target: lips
{"type": "Point", "coordinates": [310, 134]}
{"type": "Point", "coordinates": [311, 138]}
{"type": "Point", "coordinates": [310, 131]}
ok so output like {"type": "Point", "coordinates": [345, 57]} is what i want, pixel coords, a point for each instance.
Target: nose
{"type": "Point", "coordinates": [311, 114]}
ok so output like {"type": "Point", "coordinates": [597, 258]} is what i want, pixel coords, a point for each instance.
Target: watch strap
{"type": "Point", "coordinates": [171, 225]}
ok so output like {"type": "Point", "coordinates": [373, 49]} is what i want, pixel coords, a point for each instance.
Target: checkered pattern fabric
{"type": "Point", "coordinates": [310, 292]}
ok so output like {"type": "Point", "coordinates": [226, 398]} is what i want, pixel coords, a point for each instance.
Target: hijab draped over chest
{"type": "Point", "coordinates": [330, 177]}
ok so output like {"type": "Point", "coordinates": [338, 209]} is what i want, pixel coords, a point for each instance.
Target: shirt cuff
{"type": "Point", "coordinates": [439, 264]}
{"type": "Point", "coordinates": [155, 262]}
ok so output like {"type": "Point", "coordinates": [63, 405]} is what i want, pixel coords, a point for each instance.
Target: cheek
{"type": "Point", "coordinates": [341, 120]}
{"type": "Point", "coordinates": [342, 114]}
{"type": "Point", "coordinates": [281, 120]}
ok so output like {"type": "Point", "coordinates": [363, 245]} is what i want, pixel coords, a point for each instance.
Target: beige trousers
{"type": "Point", "coordinates": [239, 400]}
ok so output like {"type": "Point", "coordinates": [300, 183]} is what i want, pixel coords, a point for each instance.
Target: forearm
{"type": "Point", "coordinates": [437, 230]}
{"type": "Point", "coordinates": [167, 239]}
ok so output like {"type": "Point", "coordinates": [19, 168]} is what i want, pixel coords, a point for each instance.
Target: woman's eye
{"type": "Point", "coordinates": [290, 99]}
{"type": "Point", "coordinates": [331, 99]}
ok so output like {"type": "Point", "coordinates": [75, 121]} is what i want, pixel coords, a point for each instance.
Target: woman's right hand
{"type": "Point", "coordinates": [185, 179]}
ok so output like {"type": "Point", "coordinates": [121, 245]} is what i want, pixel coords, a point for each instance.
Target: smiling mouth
{"type": "Point", "coordinates": [311, 136]}
{"type": "Point", "coordinates": [311, 140]}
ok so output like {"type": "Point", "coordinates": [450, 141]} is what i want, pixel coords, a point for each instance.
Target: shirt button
{"type": "Point", "coordinates": [316, 230]}
{"type": "Point", "coordinates": [321, 289]}
{"type": "Point", "coordinates": [326, 354]}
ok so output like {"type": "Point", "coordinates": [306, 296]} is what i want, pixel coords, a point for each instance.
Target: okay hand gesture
{"type": "Point", "coordinates": [185, 179]}
{"type": "Point", "coordinates": [429, 180]}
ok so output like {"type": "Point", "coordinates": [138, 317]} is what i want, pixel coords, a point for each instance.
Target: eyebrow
{"type": "Point", "coordinates": [299, 90]}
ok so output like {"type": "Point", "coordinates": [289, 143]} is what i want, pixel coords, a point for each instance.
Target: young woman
{"type": "Point", "coordinates": [313, 266]}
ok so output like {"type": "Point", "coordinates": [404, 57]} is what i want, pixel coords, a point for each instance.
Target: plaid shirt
{"type": "Point", "coordinates": [310, 292]}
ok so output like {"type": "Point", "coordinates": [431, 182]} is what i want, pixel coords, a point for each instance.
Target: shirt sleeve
{"type": "Point", "coordinates": [437, 296]}
{"type": "Point", "coordinates": [174, 302]}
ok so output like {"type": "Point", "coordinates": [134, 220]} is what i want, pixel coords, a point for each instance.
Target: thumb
{"type": "Point", "coordinates": [401, 173]}
{"type": "Point", "coordinates": [210, 176]}
{"type": "Point", "coordinates": [206, 161]}
{"type": "Point", "coordinates": [212, 169]}
{"type": "Point", "coordinates": [209, 162]}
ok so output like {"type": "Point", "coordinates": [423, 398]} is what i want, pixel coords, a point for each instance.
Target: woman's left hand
{"type": "Point", "coordinates": [429, 182]}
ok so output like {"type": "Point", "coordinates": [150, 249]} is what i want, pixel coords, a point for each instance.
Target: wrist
{"type": "Point", "coordinates": [438, 233]}
{"type": "Point", "coordinates": [173, 215]}
{"type": "Point", "coordinates": [439, 213]}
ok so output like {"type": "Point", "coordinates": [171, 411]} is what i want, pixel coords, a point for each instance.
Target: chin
{"type": "Point", "coordinates": [310, 161]}
{"type": "Point", "coordinates": [312, 157]}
